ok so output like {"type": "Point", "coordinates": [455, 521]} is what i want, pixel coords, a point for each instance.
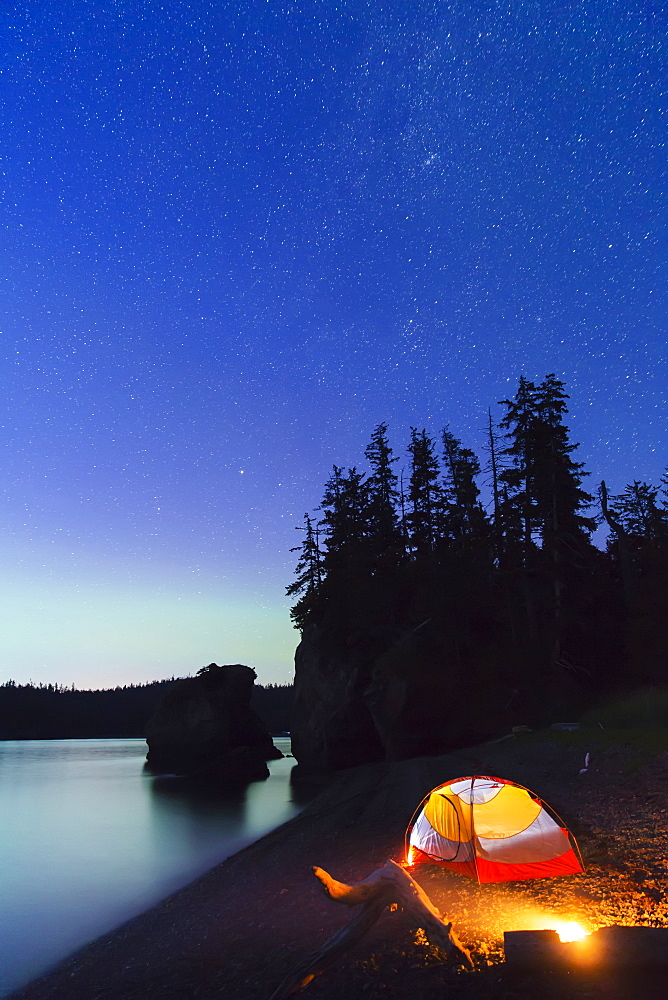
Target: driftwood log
{"type": "Point", "coordinates": [389, 886]}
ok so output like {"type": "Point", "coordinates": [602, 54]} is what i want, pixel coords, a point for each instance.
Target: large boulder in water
{"type": "Point", "coordinates": [204, 725]}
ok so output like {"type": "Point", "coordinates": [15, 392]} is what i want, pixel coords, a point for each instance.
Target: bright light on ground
{"type": "Point", "coordinates": [535, 919]}
{"type": "Point", "coordinates": [568, 930]}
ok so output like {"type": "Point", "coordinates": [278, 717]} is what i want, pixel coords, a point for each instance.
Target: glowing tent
{"type": "Point", "coordinates": [492, 830]}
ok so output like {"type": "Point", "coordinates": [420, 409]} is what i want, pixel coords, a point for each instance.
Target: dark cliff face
{"type": "Point", "coordinates": [422, 700]}
{"type": "Point", "coordinates": [398, 695]}
{"type": "Point", "coordinates": [204, 725]}
{"type": "Point", "coordinates": [332, 727]}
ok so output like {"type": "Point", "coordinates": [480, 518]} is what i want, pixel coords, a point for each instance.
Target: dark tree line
{"type": "Point", "coordinates": [48, 711]}
{"type": "Point", "coordinates": [533, 610]}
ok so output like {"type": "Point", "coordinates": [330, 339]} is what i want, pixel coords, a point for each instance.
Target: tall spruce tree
{"type": "Point", "coordinates": [309, 572]}
{"type": "Point", "coordinates": [518, 504]}
{"type": "Point", "coordinates": [639, 544]}
{"type": "Point", "coordinates": [564, 528]}
{"type": "Point", "coordinates": [464, 517]}
{"type": "Point", "coordinates": [345, 524]}
{"type": "Point", "coordinates": [345, 516]}
{"type": "Point", "coordinates": [638, 512]}
{"type": "Point", "coordinates": [382, 495]}
{"type": "Point", "coordinates": [559, 497]}
{"type": "Point", "coordinates": [424, 494]}
{"type": "Point", "coordinates": [546, 500]}
{"type": "Point", "coordinates": [544, 483]}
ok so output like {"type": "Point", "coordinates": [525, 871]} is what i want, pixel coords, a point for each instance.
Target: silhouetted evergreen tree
{"type": "Point", "coordinates": [520, 603]}
{"type": "Point", "coordinates": [424, 494]}
{"type": "Point", "coordinates": [544, 514]}
{"type": "Point", "coordinates": [543, 481]}
{"type": "Point", "coordinates": [664, 490]}
{"type": "Point", "coordinates": [309, 575]}
{"type": "Point", "coordinates": [518, 503]}
{"type": "Point", "coordinates": [639, 544]}
{"type": "Point", "coordinates": [637, 511]}
{"type": "Point", "coordinates": [345, 561]}
{"type": "Point", "coordinates": [382, 495]}
{"type": "Point", "coordinates": [464, 516]}
{"type": "Point", "coordinates": [559, 497]}
{"type": "Point", "coordinates": [345, 516]}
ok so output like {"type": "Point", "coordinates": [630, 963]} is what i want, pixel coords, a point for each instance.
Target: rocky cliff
{"type": "Point", "coordinates": [390, 696]}
{"type": "Point", "coordinates": [204, 725]}
{"type": "Point", "coordinates": [332, 726]}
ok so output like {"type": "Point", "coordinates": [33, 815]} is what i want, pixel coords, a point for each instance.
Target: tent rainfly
{"type": "Point", "coordinates": [492, 830]}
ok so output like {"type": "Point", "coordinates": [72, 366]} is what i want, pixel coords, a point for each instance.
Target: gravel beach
{"type": "Point", "coordinates": [239, 929]}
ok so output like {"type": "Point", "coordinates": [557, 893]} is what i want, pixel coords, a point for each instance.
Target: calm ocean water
{"type": "Point", "coordinates": [88, 839]}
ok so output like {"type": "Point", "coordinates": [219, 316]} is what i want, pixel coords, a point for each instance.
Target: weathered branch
{"type": "Point", "coordinates": [384, 887]}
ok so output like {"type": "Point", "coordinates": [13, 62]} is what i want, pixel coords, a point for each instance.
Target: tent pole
{"type": "Point", "coordinates": [473, 847]}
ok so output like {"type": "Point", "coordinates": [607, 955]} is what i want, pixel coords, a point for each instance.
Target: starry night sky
{"type": "Point", "coordinates": [238, 235]}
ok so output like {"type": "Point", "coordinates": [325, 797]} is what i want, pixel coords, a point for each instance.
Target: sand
{"type": "Point", "coordinates": [239, 929]}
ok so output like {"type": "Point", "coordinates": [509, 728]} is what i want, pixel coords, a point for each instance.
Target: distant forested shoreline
{"type": "Point", "coordinates": [49, 711]}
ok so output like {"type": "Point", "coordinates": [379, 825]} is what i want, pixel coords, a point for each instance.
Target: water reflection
{"type": "Point", "coordinates": [87, 839]}
{"type": "Point", "coordinates": [197, 812]}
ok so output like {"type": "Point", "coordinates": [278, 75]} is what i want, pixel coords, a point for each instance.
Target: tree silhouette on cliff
{"type": "Point", "coordinates": [520, 595]}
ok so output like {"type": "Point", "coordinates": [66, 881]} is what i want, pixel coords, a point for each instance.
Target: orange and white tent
{"type": "Point", "coordinates": [492, 830]}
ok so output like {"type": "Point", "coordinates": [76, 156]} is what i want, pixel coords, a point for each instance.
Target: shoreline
{"type": "Point", "coordinates": [92, 839]}
{"type": "Point", "coordinates": [197, 926]}
{"type": "Point", "coordinates": [240, 928]}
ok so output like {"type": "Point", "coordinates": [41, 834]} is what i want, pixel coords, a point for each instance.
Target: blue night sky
{"type": "Point", "coordinates": [238, 235]}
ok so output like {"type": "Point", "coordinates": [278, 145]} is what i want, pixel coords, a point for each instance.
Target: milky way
{"type": "Point", "coordinates": [238, 235]}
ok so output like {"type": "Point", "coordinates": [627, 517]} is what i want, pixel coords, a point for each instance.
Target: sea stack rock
{"type": "Point", "coordinates": [204, 726]}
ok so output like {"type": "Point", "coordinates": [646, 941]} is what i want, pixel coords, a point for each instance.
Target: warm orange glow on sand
{"type": "Point", "coordinates": [568, 930]}
{"type": "Point", "coordinates": [531, 918]}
